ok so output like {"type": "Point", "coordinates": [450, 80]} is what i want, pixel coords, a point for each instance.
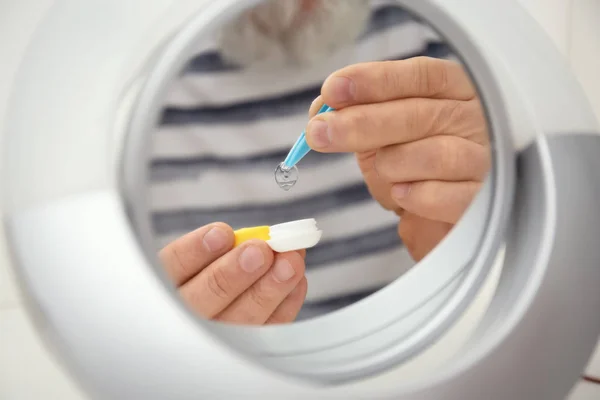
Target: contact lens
{"type": "Point", "coordinates": [286, 177]}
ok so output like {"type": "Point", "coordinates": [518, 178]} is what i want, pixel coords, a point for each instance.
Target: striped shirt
{"type": "Point", "coordinates": [224, 130]}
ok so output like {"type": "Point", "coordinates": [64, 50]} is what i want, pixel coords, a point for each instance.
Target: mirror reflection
{"type": "Point", "coordinates": [393, 164]}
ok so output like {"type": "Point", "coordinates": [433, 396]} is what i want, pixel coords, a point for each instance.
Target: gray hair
{"type": "Point", "coordinates": [279, 32]}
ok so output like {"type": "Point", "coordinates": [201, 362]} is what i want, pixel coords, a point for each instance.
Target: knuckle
{"type": "Point", "coordinates": [457, 111]}
{"type": "Point", "coordinates": [475, 121]}
{"type": "Point", "coordinates": [357, 117]}
{"type": "Point", "coordinates": [432, 76]}
{"type": "Point", "coordinates": [352, 123]}
{"type": "Point", "coordinates": [417, 111]}
{"type": "Point", "coordinates": [259, 297]}
{"type": "Point", "coordinates": [217, 284]}
{"type": "Point", "coordinates": [390, 78]}
{"type": "Point", "coordinates": [447, 116]}
{"type": "Point", "coordinates": [178, 259]}
{"type": "Point", "coordinates": [423, 78]}
{"type": "Point", "coordinates": [439, 76]}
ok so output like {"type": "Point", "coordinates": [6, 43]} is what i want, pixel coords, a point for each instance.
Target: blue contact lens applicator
{"type": "Point", "coordinates": [300, 148]}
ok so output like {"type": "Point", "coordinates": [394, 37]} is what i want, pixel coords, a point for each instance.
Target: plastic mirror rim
{"type": "Point", "coordinates": [160, 342]}
{"type": "Point", "coordinates": [298, 350]}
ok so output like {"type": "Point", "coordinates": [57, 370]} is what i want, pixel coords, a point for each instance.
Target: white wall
{"type": "Point", "coordinates": [26, 370]}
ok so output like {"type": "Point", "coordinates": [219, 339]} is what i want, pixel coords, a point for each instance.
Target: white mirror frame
{"type": "Point", "coordinates": [95, 298]}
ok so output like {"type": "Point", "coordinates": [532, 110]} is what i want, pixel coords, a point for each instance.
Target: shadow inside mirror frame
{"type": "Point", "coordinates": [398, 153]}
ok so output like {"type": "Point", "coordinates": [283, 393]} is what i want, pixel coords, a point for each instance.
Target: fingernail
{"type": "Point", "coordinates": [313, 109]}
{"type": "Point", "coordinates": [215, 239]}
{"type": "Point", "coordinates": [342, 89]}
{"type": "Point", "coordinates": [252, 259]}
{"type": "Point", "coordinates": [400, 190]}
{"type": "Point", "coordinates": [318, 133]}
{"type": "Point", "coordinates": [282, 270]}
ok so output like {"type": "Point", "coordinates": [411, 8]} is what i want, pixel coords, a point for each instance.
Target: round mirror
{"type": "Point", "coordinates": [306, 195]}
{"type": "Point", "coordinates": [397, 152]}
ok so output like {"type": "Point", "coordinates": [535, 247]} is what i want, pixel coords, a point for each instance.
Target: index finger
{"type": "Point", "coordinates": [380, 81]}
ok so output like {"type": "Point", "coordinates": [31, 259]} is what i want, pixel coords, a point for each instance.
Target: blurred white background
{"type": "Point", "coordinates": [27, 371]}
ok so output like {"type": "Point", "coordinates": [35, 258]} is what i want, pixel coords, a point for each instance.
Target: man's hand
{"type": "Point", "coordinates": [249, 284]}
{"type": "Point", "coordinates": [420, 136]}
